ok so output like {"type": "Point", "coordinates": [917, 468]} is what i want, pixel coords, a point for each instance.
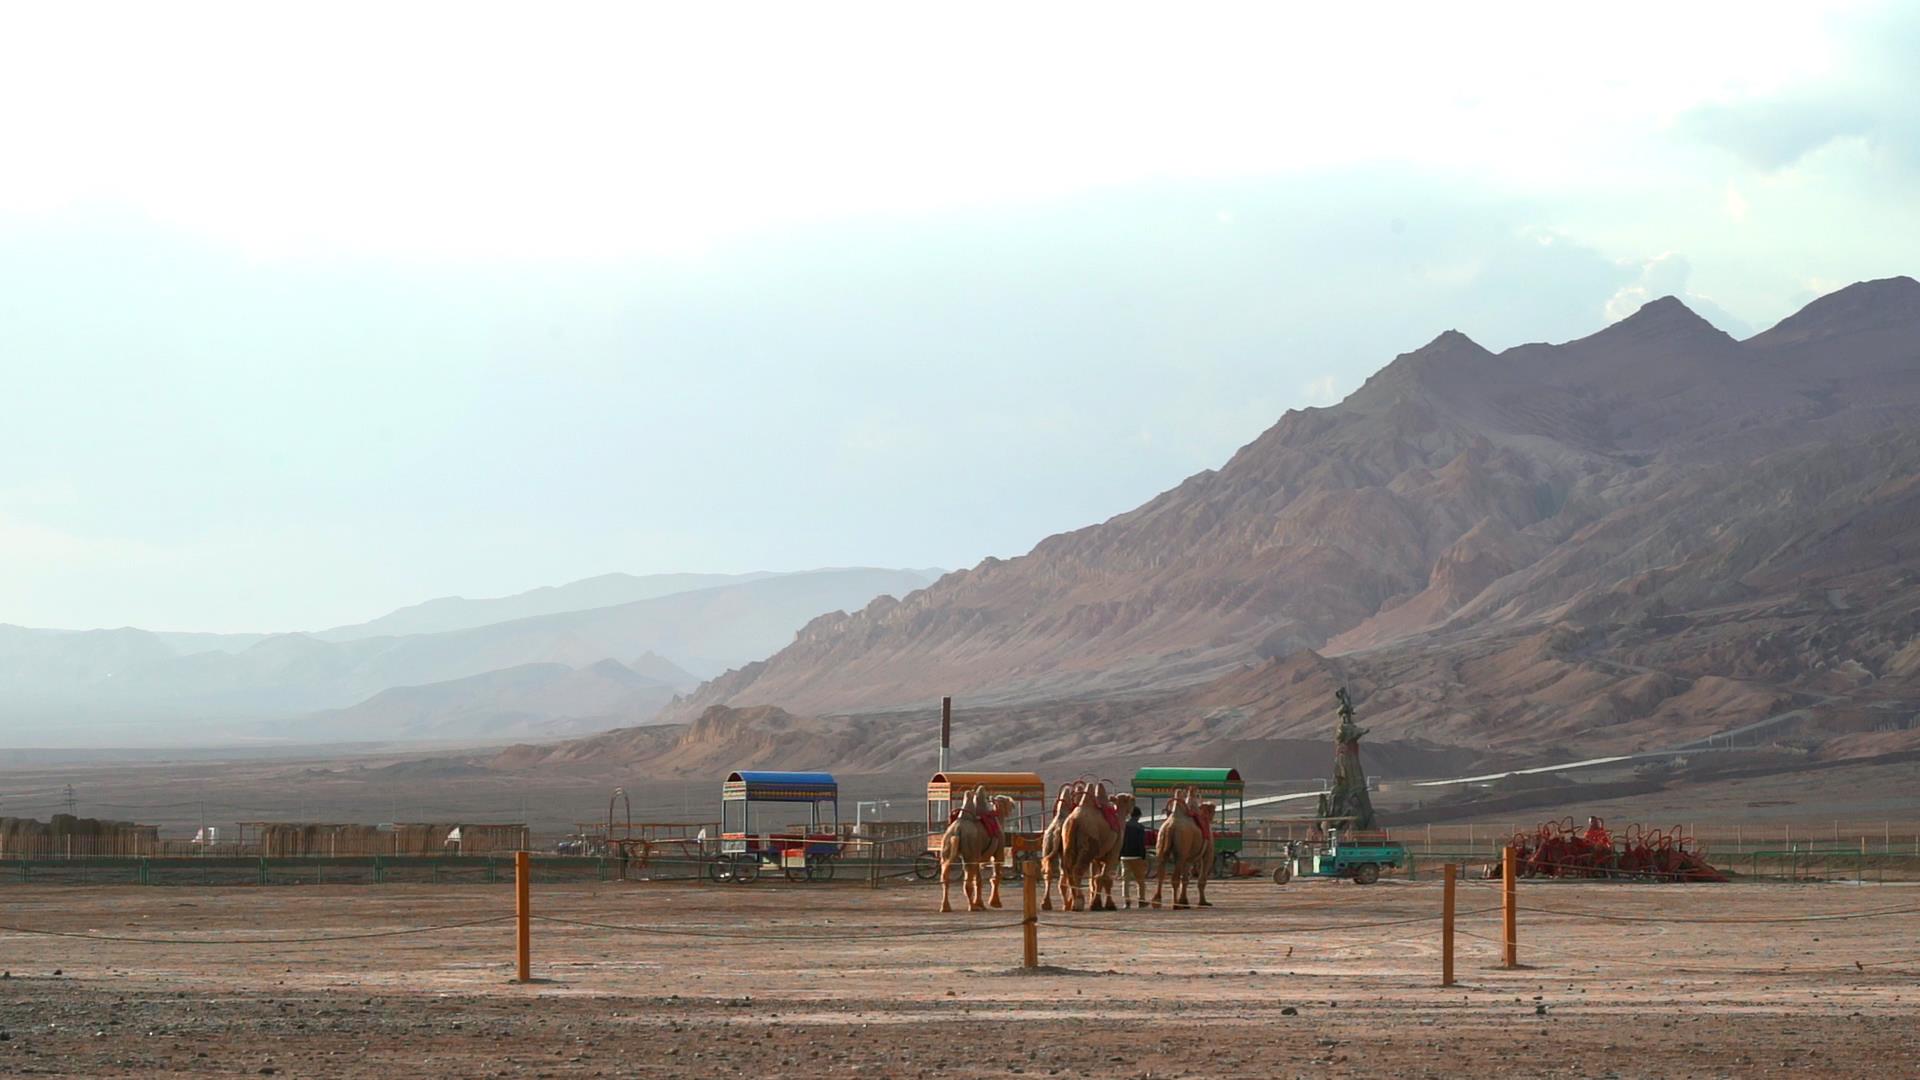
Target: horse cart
{"type": "Point", "coordinates": [1222, 787]}
{"type": "Point", "coordinates": [803, 852]}
{"type": "Point", "coordinates": [944, 792]}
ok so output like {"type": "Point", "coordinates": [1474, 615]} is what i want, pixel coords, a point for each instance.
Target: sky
{"type": "Point", "coordinates": [308, 313]}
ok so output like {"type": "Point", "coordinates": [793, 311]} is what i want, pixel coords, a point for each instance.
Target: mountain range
{"type": "Point", "coordinates": [1653, 535]}
{"type": "Point", "coordinates": [440, 669]}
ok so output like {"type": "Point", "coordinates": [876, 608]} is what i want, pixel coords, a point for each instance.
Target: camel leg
{"type": "Point", "coordinates": [1159, 878]}
{"type": "Point", "coordinates": [1106, 887]}
{"type": "Point", "coordinates": [1047, 883]}
{"type": "Point", "coordinates": [1180, 886]}
{"type": "Point", "coordinates": [974, 903]}
{"type": "Point", "coordinates": [1204, 869]}
{"type": "Point", "coordinates": [993, 869]}
{"type": "Point", "coordinates": [946, 886]}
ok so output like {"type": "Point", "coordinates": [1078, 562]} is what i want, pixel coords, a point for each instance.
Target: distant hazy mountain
{"type": "Point", "coordinates": [459, 613]}
{"type": "Point", "coordinates": [526, 700]}
{"type": "Point", "coordinates": [660, 669]}
{"type": "Point", "coordinates": [62, 684]}
{"type": "Point", "coordinates": [186, 643]}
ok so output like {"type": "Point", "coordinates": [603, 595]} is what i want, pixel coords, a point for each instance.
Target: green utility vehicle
{"type": "Point", "coordinates": [1361, 858]}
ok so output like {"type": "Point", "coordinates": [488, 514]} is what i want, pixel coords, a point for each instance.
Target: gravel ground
{"type": "Point", "coordinates": [776, 979]}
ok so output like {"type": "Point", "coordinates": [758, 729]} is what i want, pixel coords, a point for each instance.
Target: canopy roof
{"type": "Point", "coordinates": [760, 785]}
{"type": "Point", "coordinates": [944, 784]}
{"type": "Point", "coordinates": [1161, 780]}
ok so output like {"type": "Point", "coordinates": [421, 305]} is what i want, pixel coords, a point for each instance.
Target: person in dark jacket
{"type": "Point", "coordinates": [1133, 862]}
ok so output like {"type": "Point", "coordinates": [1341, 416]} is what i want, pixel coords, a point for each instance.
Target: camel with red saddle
{"type": "Point", "coordinates": [1051, 877]}
{"type": "Point", "coordinates": [974, 838]}
{"type": "Point", "coordinates": [1184, 847]}
{"type": "Point", "coordinates": [1090, 839]}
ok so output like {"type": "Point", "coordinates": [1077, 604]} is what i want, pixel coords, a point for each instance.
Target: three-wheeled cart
{"type": "Point", "coordinates": [804, 852]}
{"type": "Point", "coordinates": [1360, 859]}
{"type": "Point", "coordinates": [946, 789]}
{"type": "Point", "coordinates": [1222, 787]}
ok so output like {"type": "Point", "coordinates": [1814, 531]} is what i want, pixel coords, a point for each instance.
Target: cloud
{"type": "Point", "coordinates": [1874, 98]}
{"type": "Point", "coordinates": [1772, 135]}
{"type": "Point", "coordinates": [1322, 390]}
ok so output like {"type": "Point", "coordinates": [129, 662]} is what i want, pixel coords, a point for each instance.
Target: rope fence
{"type": "Point", "coordinates": [1509, 908]}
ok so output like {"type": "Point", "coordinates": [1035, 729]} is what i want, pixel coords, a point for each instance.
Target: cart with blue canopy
{"type": "Point", "coordinates": [804, 851]}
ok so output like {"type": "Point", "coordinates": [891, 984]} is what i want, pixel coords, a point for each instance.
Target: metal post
{"type": "Point", "coordinates": [1509, 916]}
{"type": "Point", "coordinates": [523, 913]}
{"type": "Point", "coordinates": [946, 730]}
{"type": "Point", "coordinates": [1030, 923]}
{"type": "Point", "coordinates": [1447, 873]}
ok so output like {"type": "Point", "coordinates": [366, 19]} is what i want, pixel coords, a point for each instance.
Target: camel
{"type": "Point", "coordinates": [1050, 875]}
{"type": "Point", "coordinates": [968, 843]}
{"type": "Point", "coordinates": [1090, 848]}
{"type": "Point", "coordinates": [1181, 849]}
{"type": "Point", "coordinates": [1000, 843]}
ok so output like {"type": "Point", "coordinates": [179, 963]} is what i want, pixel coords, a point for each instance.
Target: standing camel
{"type": "Point", "coordinates": [1000, 809]}
{"type": "Point", "coordinates": [969, 842]}
{"type": "Point", "coordinates": [1182, 849]}
{"type": "Point", "coordinates": [1050, 871]}
{"type": "Point", "coordinates": [1090, 848]}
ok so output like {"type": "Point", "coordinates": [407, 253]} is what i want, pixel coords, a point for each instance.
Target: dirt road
{"type": "Point", "coordinates": [778, 979]}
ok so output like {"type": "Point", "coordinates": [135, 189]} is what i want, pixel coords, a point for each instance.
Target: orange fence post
{"type": "Point", "coordinates": [1030, 905]}
{"type": "Point", "coordinates": [523, 913]}
{"type": "Point", "coordinates": [1447, 873]}
{"type": "Point", "coordinates": [1509, 916]}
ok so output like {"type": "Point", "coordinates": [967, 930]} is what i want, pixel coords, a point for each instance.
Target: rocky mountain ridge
{"type": "Point", "coordinates": [1658, 493]}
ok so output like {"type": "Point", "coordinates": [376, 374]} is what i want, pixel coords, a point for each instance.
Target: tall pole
{"type": "Point", "coordinates": [523, 913]}
{"type": "Point", "coordinates": [1030, 906]}
{"type": "Point", "coordinates": [1509, 928]}
{"type": "Point", "coordinates": [946, 730]}
{"type": "Point", "coordinates": [1447, 873]}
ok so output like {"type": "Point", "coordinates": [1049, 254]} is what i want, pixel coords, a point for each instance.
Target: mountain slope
{"type": "Point", "coordinates": [458, 613]}
{"type": "Point", "coordinates": [1655, 470]}
{"type": "Point", "coordinates": [54, 679]}
{"type": "Point", "coordinates": [526, 700]}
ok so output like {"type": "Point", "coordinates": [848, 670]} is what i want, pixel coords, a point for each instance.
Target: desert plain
{"type": "Point", "coordinates": [699, 980]}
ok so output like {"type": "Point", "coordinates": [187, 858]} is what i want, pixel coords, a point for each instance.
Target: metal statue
{"type": "Point", "coordinates": [1349, 799]}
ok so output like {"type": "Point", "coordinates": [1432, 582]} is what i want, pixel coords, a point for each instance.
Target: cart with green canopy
{"type": "Point", "coordinates": [1224, 788]}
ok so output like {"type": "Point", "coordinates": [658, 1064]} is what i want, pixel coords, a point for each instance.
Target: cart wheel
{"type": "Point", "coordinates": [720, 868]}
{"type": "Point", "coordinates": [1366, 873]}
{"type": "Point", "coordinates": [746, 869]}
{"type": "Point", "coordinates": [1282, 874]}
{"type": "Point", "coordinates": [926, 866]}
{"type": "Point", "coordinates": [819, 868]}
{"type": "Point", "coordinates": [1224, 864]}
{"type": "Point", "coordinates": [798, 873]}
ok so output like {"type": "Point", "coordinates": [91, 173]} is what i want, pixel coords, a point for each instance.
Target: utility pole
{"type": "Point", "coordinates": [71, 801]}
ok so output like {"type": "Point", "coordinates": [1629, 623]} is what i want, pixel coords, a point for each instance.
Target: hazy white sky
{"type": "Point", "coordinates": [308, 314]}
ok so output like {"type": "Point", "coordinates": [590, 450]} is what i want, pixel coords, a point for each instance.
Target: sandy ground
{"type": "Point", "coordinates": [782, 979]}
